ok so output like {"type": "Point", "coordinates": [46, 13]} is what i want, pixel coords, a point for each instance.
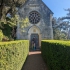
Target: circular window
{"type": "Point", "coordinates": [34, 17]}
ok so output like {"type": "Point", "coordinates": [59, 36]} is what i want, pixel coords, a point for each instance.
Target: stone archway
{"type": "Point", "coordinates": [34, 31]}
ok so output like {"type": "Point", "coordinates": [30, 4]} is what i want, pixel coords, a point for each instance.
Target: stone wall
{"type": "Point", "coordinates": [45, 24]}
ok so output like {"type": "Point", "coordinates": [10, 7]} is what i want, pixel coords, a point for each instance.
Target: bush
{"type": "Point", "coordinates": [1, 35]}
{"type": "Point", "coordinates": [5, 38]}
{"type": "Point", "coordinates": [56, 54]}
{"type": "Point", "coordinates": [13, 54]}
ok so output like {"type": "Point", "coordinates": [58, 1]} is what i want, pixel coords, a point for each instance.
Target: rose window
{"type": "Point", "coordinates": [34, 17]}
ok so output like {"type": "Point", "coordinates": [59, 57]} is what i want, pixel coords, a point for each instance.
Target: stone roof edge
{"type": "Point", "coordinates": [47, 7]}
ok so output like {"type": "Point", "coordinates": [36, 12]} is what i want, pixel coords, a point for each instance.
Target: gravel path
{"type": "Point", "coordinates": [34, 62]}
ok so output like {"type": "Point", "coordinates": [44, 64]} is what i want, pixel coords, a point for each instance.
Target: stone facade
{"type": "Point", "coordinates": [43, 27]}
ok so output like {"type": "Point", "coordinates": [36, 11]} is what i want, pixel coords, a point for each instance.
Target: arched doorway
{"type": "Point", "coordinates": [36, 36]}
{"type": "Point", "coordinates": [34, 31]}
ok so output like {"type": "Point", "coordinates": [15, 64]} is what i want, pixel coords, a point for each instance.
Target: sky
{"type": "Point", "coordinates": [58, 6]}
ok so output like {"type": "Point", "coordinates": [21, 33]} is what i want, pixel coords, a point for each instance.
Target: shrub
{"type": "Point", "coordinates": [56, 54]}
{"type": "Point", "coordinates": [13, 54]}
{"type": "Point", "coordinates": [1, 35]}
{"type": "Point", "coordinates": [5, 38]}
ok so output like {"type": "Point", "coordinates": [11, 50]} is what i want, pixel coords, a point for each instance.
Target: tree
{"type": "Point", "coordinates": [9, 28]}
{"type": "Point", "coordinates": [60, 28]}
{"type": "Point", "coordinates": [1, 35]}
{"type": "Point", "coordinates": [9, 6]}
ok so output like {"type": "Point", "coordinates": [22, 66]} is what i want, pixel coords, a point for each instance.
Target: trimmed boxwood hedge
{"type": "Point", "coordinates": [13, 54]}
{"type": "Point", "coordinates": [56, 54]}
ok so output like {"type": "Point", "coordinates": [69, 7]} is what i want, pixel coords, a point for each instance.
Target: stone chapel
{"type": "Point", "coordinates": [40, 21]}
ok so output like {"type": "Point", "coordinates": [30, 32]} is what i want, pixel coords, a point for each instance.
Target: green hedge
{"type": "Point", "coordinates": [56, 54]}
{"type": "Point", "coordinates": [13, 54]}
{"type": "Point", "coordinates": [1, 35]}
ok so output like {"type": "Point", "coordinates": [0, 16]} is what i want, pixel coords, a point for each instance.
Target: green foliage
{"type": "Point", "coordinates": [7, 26]}
{"type": "Point", "coordinates": [9, 6]}
{"type": "Point", "coordinates": [16, 19]}
{"type": "Point", "coordinates": [58, 35]}
{"type": "Point", "coordinates": [12, 21]}
{"type": "Point", "coordinates": [60, 28]}
{"type": "Point", "coordinates": [24, 24]}
{"type": "Point", "coordinates": [1, 35]}
{"type": "Point", "coordinates": [56, 54]}
{"type": "Point", "coordinates": [13, 54]}
{"type": "Point", "coordinates": [6, 29]}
